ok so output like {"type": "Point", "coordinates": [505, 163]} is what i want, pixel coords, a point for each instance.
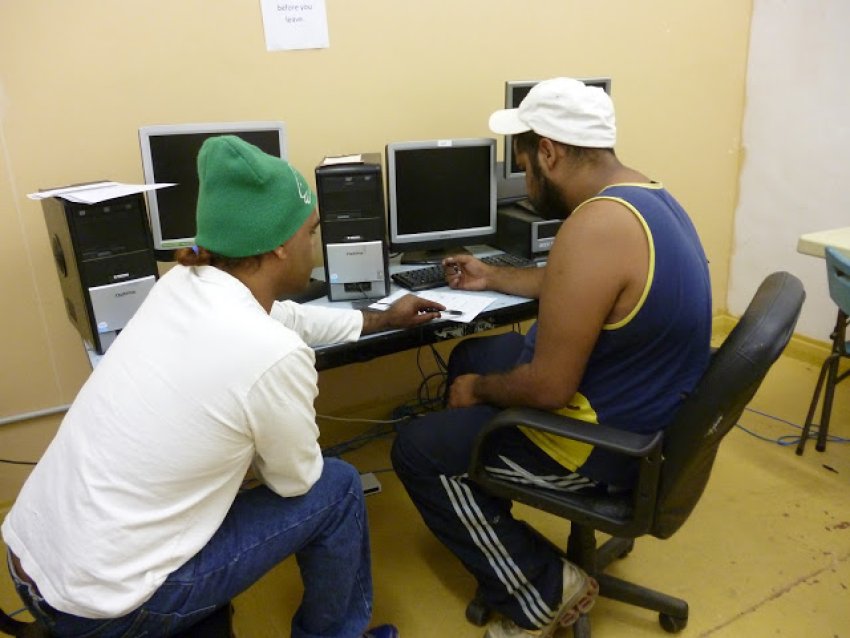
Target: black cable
{"type": "Point", "coordinates": [438, 358]}
{"type": "Point", "coordinates": [424, 394]}
{"type": "Point", "coordinates": [11, 462]}
{"type": "Point", "coordinates": [358, 441]}
{"type": "Point", "coordinates": [424, 387]}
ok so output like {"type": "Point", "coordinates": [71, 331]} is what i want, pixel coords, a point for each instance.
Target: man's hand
{"type": "Point", "coordinates": [465, 272]}
{"type": "Point", "coordinates": [407, 312]}
{"type": "Point", "coordinates": [462, 391]}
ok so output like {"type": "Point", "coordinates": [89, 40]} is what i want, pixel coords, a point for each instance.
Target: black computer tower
{"type": "Point", "coordinates": [353, 222]}
{"type": "Point", "coordinates": [105, 261]}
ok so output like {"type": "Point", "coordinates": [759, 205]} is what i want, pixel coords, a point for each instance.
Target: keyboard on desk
{"type": "Point", "coordinates": [433, 276]}
{"type": "Point", "coordinates": [506, 259]}
{"type": "Point", "coordinates": [421, 278]}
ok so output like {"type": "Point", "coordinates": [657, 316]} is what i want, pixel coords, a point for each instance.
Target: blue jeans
{"type": "Point", "coordinates": [326, 530]}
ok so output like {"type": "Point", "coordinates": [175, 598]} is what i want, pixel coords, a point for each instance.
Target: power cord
{"type": "Point", "coordinates": [380, 429]}
{"type": "Point", "coordinates": [429, 397]}
{"type": "Point", "coordinates": [786, 439]}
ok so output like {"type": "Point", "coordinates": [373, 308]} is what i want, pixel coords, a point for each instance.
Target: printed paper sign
{"type": "Point", "coordinates": [290, 24]}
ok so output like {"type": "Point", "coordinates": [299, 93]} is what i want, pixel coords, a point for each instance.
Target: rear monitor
{"type": "Point", "coordinates": [169, 155]}
{"type": "Point", "coordinates": [441, 195]}
{"type": "Point", "coordinates": [515, 92]}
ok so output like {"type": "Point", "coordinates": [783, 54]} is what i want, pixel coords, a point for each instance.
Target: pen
{"type": "Point", "coordinates": [453, 313]}
{"type": "Point", "coordinates": [447, 311]}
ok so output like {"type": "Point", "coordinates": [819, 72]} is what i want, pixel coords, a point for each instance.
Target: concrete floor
{"type": "Point", "coordinates": [764, 554]}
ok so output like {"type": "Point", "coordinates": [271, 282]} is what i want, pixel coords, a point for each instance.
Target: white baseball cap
{"type": "Point", "coordinates": [564, 110]}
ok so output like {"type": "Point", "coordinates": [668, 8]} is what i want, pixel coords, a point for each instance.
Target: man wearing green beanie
{"type": "Point", "coordinates": [133, 522]}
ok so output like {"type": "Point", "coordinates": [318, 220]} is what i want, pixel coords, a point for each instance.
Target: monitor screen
{"type": "Point", "coordinates": [441, 194]}
{"type": "Point", "coordinates": [169, 156]}
{"type": "Point", "coordinates": [515, 92]}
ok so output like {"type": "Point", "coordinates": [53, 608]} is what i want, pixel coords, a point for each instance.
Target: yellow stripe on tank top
{"type": "Point", "coordinates": [650, 271]}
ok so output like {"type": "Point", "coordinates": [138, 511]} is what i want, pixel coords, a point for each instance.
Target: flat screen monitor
{"type": "Point", "coordinates": [169, 155]}
{"type": "Point", "coordinates": [441, 195]}
{"type": "Point", "coordinates": [515, 92]}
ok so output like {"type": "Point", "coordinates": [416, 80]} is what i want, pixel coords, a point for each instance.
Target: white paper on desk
{"type": "Point", "coordinates": [470, 305]}
{"type": "Point", "coordinates": [97, 192]}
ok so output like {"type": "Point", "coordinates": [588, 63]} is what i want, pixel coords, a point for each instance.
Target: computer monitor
{"type": "Point", "coordinates": [169, 155]}
{"type": "Point", "coordinates": [515, 92]}
{"type": "Point", "coordinates": [441, 195]}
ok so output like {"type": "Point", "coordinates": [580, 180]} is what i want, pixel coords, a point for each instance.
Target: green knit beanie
{"type": "Point", "coordinates": [249, 202]}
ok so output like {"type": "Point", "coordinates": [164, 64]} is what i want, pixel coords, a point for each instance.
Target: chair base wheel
{"type": "Point", "coordinates": [477, 613]}
{"type": "Point", "coordinates": [672, 624]}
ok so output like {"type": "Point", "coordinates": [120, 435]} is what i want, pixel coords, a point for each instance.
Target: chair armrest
{"type": "Point", "coordinates": [627, 514]}
{"type": "Point", "coordinates": [602, 436]}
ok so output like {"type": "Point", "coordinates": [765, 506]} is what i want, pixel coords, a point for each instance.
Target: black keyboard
{"type": "Point", "coordinates": [434, 277]}
{"type": "Point", "coordinates": [421, 278]}
{"type": "Point", "coordinates": [506, 259]}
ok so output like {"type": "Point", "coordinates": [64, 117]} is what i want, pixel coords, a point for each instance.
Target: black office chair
{"type": "Point", "coordinates": [216, 625]}
{"type": "Point", "coordinates": [674, 465]}
{"type": "Point", "coordinates": [838, 277]}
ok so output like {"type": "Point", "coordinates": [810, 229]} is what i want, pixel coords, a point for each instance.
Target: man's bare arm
{"type": "Point", "coordinates": [584, 288]}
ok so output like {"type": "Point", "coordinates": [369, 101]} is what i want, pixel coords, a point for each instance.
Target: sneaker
{"type": "Point", "coordinates": [580, 592]}
{"type": "Point", "coordinates": [382, 631]}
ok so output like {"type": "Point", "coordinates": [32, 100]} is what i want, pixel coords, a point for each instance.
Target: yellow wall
{"type": "Point", "coordinates": [77, 80]}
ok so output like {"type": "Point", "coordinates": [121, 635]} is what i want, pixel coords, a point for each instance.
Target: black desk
{"type": "Point", "coordinates": [383, 343]}
{"type": "Point", "coordinates": [506, 310]}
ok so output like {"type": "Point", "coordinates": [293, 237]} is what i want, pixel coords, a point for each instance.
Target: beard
{"type": "Point", "coordinates": [548, 201]}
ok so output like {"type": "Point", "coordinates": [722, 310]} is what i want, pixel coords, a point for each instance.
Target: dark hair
{"type": "Point", "coordinates": [528, 142]}
{"type": "Point", "coordinates": [199, 256]}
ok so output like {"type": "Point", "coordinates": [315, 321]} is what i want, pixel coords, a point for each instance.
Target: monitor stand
{"type": "Point", "coordinates": [432, 256]}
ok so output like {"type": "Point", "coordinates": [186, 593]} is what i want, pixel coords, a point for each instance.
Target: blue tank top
{"type": "Point", "coordinates": [643, 366]}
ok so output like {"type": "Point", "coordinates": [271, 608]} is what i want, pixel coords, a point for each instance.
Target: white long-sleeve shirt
{"type": "Point", "coordinates": [200, 384]}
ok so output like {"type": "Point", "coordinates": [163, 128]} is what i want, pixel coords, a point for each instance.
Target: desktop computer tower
{"type": "Point", "coordinates": [105, 261]}
{"type": "Point", "coordinates": [352, 218]}
{"type": "Point", "coordinates": [520, 231]}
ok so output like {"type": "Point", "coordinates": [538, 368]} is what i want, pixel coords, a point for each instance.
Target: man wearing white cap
{"type": "Point", "coordinates": [623, 332]}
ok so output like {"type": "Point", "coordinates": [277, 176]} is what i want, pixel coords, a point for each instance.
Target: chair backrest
{"type": "Point", "coordinates": [734, 374]}
{"type": "Point", "coordinates": [838, 276]}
